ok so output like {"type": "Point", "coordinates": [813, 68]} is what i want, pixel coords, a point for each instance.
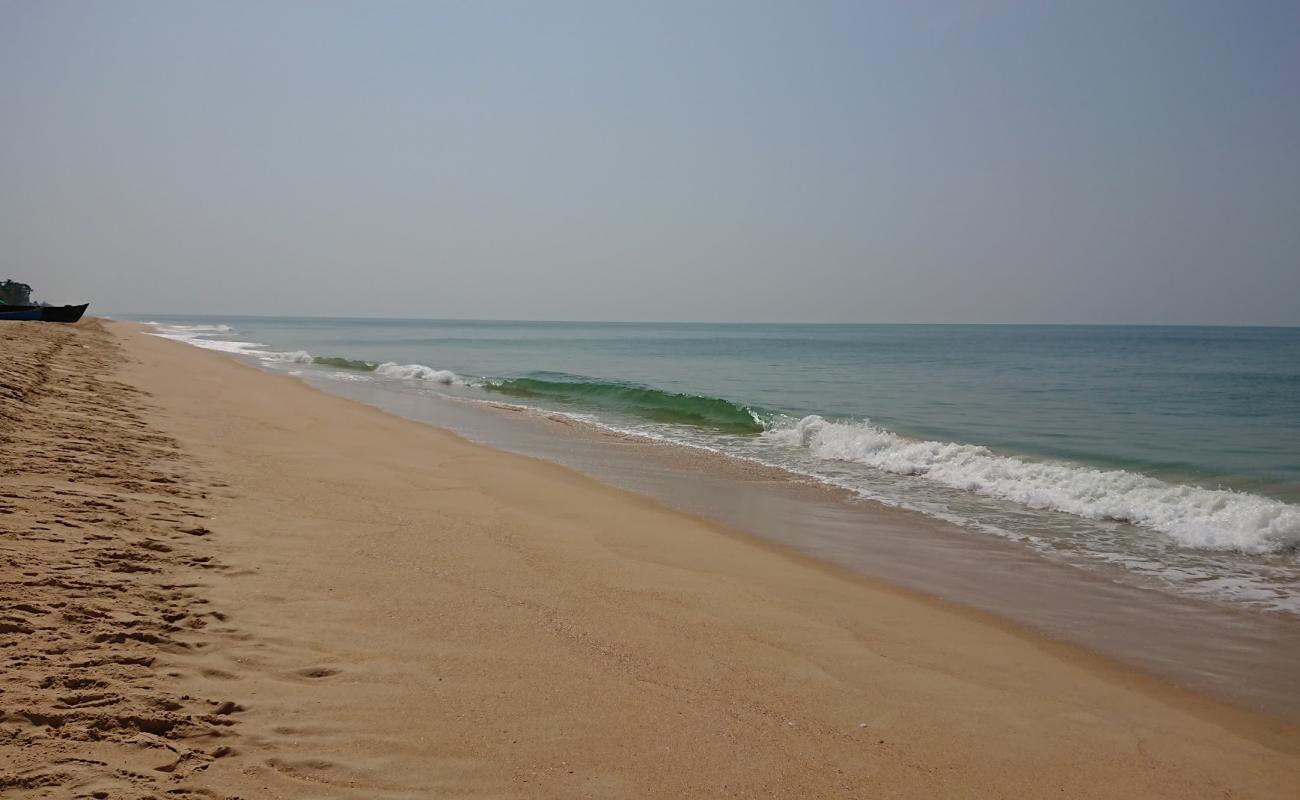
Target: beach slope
{"type": "Point", "coordinates": [335, 602]}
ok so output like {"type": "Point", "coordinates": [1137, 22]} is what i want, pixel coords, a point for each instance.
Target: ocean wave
{"type": "Point", "coordinates": [292, 357]}
{"type": "Point", "coordinates": [418, 372]}
{"type": "Point", "coordinates": [642, 401]}
{"type": "Point", "coordinates": [345, 363]}
{"type": "Point", "coordinates": [1216, 519]}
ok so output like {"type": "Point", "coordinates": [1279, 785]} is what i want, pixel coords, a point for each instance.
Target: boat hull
{"type": "Point", "coordinates": [43, 313]}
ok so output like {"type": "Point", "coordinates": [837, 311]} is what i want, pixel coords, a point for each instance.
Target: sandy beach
{"type": "Point", "coordinates": [219, 582]}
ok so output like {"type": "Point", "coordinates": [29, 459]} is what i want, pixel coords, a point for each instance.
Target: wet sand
{"type": "Point", "coordinates": [219, 582]}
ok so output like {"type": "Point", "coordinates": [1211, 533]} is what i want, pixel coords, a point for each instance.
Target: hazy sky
{"type": "Point", "coordinates": [1135, 161]}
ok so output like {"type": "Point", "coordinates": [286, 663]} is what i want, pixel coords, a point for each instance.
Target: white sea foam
{"type": "Point", "coordinates": [347, 377]}
{"type": "Point", "coordinates": [418, 372]}
{"type": "Point", "coordinates": [222, 345]}
{"type": "Point", "coordinates": [1192, 516]}
{"type": "Point", "coordinates": [294, 357]}
{"type": "Point", "coordinates": [203, 336]}
{"type": "Point", "coordinates": [194, 330]}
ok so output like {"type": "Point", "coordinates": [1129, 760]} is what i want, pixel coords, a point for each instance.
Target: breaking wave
{"type": "Point", "coordinates": [1193, 516]}
{"type": "Point", "coordinates": [418, 372]}
{"type": "Point", "coordinates": [642, 401]}
{"type": "Point", "coordinates": [345, 363]}
{"type": "Point", "coordinates": [293, 357]}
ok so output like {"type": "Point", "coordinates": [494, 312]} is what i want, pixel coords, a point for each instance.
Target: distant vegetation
{"type": "Point", "coordinates": [13, 293]}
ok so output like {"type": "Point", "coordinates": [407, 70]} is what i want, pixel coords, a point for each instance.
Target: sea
{"type": "Point", "coordinates": [1164, 457]}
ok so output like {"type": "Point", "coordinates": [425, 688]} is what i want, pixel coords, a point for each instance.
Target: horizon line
{"type": "Point", "coordinates": [713, 322]}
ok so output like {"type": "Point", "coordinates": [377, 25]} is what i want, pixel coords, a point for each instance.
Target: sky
{"type": "Point", "coordinates": [1098, 162]}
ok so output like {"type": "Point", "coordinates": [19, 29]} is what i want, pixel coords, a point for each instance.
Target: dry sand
{"type": "Point", "coordinates": [223, 583]}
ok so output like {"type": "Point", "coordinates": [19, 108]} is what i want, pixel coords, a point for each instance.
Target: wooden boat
{"type": "Point", "coordinates": [43, 313]}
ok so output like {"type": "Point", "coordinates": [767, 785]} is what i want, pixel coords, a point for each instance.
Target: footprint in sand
{"type": "Point", "coordinates": [317, 672]}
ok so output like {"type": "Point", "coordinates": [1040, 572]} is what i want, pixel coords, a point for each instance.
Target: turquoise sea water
{"type": "Point", "coordinates": [1171, 455]}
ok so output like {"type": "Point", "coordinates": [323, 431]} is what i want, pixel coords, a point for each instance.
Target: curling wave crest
{"type": "Point", "coordinates": [1192, 516]}
{"type": "Point", "coordinates": [637, 400]}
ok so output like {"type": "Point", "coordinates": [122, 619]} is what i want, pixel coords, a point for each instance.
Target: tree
{"type": "Point", "coordinates": [13, 293]}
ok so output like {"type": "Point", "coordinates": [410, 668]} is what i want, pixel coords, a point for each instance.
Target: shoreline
{"type": "Point", "coordinates": [1238, 655]}
{"type": "Point", "coordinates": [408, 613]}
{"type": "Point", "coordinates": [1170, 530]}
